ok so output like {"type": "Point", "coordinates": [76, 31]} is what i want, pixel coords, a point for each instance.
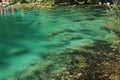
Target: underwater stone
{"type": "Point", "coordinates": [90, 19]}
{"type": "Point", "coordinates": [53, 34]}
{"type": "Point", "coordinates": [79, 74]}
{"type": "Point", "coordinates": [76, 38]}
{"type": "Point", "coordinates": [11, 79]}
{"type": "Point", "coordinates": [77, 20]}
{"type": "Point", "coordinates": [39, 23]}
{"type": "Point", "coordinates": [67, 72]}
{"type": "Point", "coordinates": [17, 51]}
{"type": "Point", "coordinates": [69, 30]}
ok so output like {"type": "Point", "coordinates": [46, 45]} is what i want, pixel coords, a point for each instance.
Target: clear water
{"type": "Point", "coordinates": [26, 36]}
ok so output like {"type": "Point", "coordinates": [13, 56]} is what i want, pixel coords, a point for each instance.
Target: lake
{"type": "Point", "coordinates": [29, 38]}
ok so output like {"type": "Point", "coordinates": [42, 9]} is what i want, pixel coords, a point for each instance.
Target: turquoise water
{"type": "Point", "coordinates": [26, 36]}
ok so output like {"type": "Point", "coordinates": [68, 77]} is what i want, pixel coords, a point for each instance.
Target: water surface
{"type": "Point", "coordinates": [26, 36]}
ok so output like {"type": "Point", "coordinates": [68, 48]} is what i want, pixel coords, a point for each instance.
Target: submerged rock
{"type": "Point", "coordinates": [17, 51]}
{"type": "Point", "coordinates": [77, 20]}
{"type": "Point", "coordinates": [11, 79]}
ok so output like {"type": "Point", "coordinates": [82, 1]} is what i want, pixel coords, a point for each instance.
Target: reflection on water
{"type": "Point", "coordinates": [1, 11]}
{"type": "Point", "coordinates": [36, 36]}
{"type": "Point", "coordinates": [5, 11]}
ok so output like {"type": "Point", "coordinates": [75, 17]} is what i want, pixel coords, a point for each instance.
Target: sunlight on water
{"type": "Point", "coordinates": [26, 37]}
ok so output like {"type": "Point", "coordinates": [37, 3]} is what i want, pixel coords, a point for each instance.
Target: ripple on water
{"type": "Point", "coordinates": [39, 36]}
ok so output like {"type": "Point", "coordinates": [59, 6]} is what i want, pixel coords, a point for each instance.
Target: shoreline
{"type": "Point", "coordinates": [48, 5]}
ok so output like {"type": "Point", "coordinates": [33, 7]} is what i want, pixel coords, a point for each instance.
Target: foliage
{"type": "Point", "coordinates": [114, 25]}
{"type": "Point", "coordinates": [69, 2]}
{"type": "Point", "coordinates": [114, 18]}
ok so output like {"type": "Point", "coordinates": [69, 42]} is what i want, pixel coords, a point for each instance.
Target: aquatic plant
{"type": "Point", "coordinates": [114, 24]}
{"type": "Point", "coordinates": [114, 27]}
{"type": "Point", "coordinates": [114, 17]}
